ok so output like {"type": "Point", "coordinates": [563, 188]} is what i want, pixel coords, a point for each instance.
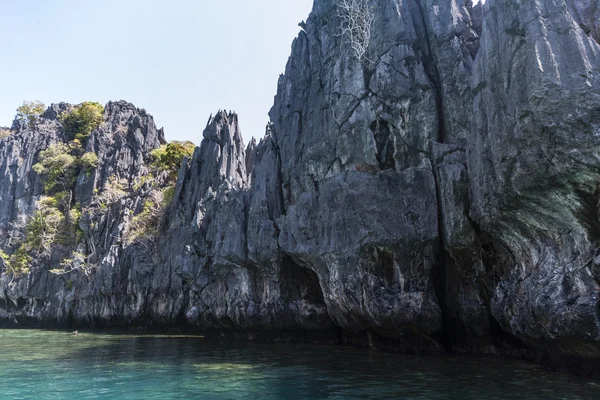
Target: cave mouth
{"type": "Point", "coordinates": [380, 262]}
{"type": "Point", "coordinates": [384, 141]}
{"type": "Point", "coordinates": [299, 283]}
{"type": "Point", "coordinates": [497, 260]}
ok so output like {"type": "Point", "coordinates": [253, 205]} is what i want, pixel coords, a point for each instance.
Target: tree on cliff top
{"type": "Point", "coordinates": [84, 118]}
{"type": "Point", "coordinates": [169, 157]}
{"type": "Point", "coordinates": [30, 111]}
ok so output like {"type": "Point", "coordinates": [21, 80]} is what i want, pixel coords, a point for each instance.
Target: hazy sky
{"type": "Point", "coordinates": [179, 59]}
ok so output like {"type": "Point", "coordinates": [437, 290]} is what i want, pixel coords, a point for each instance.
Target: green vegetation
{"type": "Point", "coordinates": [113, 190]}
{"type": "Point", "coordinates": [73, 233]}
{"type": "Point", "coordinates": [146, 223]}
{"type": "Point", "coordinates": [53, 221]}
{"type": "Point", "coordinates": [169, 157]}
{"type": "Point", "coordinates": [6, 261]}
{"type": "Point", "coordinates": [17, 263]}
{"type": "Point", "coordinates": [41, 231]}
{"type": "Point", "coordinates": [20, 261]}
{"type": "Point", "coordinates": [57, 166]}
{"type": "Point", "coordinates": [83, 120]}
{"type": "Point", "coordinates": [53, 229]}
{"type": "Point", "coordinates": [44, 228]}
{"type": "Point", "coordinates": [168, 195]}
{"type": "Point", "coordinates": [30, 111]}
{"type": "Point", "coordinates": [89, 161]}
{"type": "Point", "coordinates": [77, 261]}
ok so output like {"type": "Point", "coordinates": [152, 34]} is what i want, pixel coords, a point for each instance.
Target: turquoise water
{"type": "Point", "coordinates": [55, 365]}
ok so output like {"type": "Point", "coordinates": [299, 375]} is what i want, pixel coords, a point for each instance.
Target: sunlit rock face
{"type": "Point", "coordinates": [439, 191]}
{"type": "Point", "coordinates": [533, 164]}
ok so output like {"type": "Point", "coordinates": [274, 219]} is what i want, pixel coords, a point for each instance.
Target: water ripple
{"type": "Point", "coordinates": [46, 365]}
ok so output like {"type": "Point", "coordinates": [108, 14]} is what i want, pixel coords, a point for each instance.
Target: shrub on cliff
{"type": "Point", "coordinates": [57, 166]}
{"type": "Point", "coordinates": [145, 224]}
{"type": "Point", "coordinates": [169, 157]}
{"type": "Point", "coordinates": [17, 263]}
{"type": "Point", "coordinates": [77, 261]}
{"type": "Point", "coordinates": [89, 161]}
{"type": "Point", "coordinates": [30, 111]}
{"type": "Point", "coordinates": [113, 190]}
{"type": "Point", "coordinates": [45, 226]}
{"type": "Point", "coordinates": [83, 119]}
{"type": "Point", "coordinates": [53, 221]}
{"type": "Point", "coordinates": [5, 261]}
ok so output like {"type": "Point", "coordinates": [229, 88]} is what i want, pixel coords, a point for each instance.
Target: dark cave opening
{"type": "Point", "coordinates": [299, 283]}
{"type": "Point", "coordinates": [497, 260]}
{"type": "Point", "coordinates": [384, 141]}
{"type": "Point", "coordinates": [381, 263]}
{"type": "Point", "coordinates": [21, 302]}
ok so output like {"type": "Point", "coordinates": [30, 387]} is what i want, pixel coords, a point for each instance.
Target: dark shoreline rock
{"type": "Point", "coordinates": [438, 195]}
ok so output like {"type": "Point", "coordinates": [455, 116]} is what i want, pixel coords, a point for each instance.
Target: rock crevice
{"type": "Point", "coordinates": [443, 196]}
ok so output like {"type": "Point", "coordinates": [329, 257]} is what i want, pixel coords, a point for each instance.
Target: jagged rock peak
{"type": "Point", "coordinates": [117, 114]}
{"type": "Point", "coordinates": [223, 128]}
{"type": "Point", "coordinates": [438, 191]}
{"type": "Point", "coordinates": [56, 109]}
{"type": "Point", "coordinates": [250, 155]}
{"type": "Point", "coordinates": [122, 107]}
{"type": "Point", "coordinates": [120, 114]}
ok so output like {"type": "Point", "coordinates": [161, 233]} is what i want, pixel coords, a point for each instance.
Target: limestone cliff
{"type": "Point", "coordinates": [437, 191]}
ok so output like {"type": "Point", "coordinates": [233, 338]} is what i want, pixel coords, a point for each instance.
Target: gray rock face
{"type": "Point", "coordinates": [440, 191]}
{"type": "Point", "coordinates": [533, 164]}
{"type": "Point", "coordinates": [19, 184]}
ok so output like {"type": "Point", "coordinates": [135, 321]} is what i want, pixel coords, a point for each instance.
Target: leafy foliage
{"type": "Point", "coordinates": [53, 221]}
{"type": "Point", "coordinates": [169, 157]}
{"type": "Point", "coordinates": [57, 166]}
{"type": "Point", "coordinates": [19, 261]}
{"type": "Point", "coordinates": [77, 261]}
{"type": "Point", "coordinates": [72, 233]}
{"type": "Point", "coordinates": [89, 161]}
{"type": "Point", "coordinates": [40, 233]}
{"type": "Point", "coordinates": [113, 190]}
{"type": "Point", "coordinates": [146, 223]}
{"type": "Point", "coordinates": [30, 112]}
{"type": "Point", "coordinates": [54, 226]}
{"type": "Point", "coordinates": [83, 119]}
{"type": "Point", "coordinates": [45, 225]}
{"type": "Point", "coordinates": [5, 258]}
{"type": "Point", "coordinates": [168, 195]}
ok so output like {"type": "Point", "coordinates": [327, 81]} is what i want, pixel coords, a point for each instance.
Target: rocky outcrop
{"type": "Point", "coordinates": [534, 168]}
{"type": "Point", "coordinates": [439, 191]}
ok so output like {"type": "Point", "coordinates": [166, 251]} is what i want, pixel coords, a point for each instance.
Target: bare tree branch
{"type": "Point", "coordinates": [356, 18]}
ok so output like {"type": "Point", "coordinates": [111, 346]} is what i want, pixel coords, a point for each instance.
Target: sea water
{"type": "Point", "coordinates": [42, 365]}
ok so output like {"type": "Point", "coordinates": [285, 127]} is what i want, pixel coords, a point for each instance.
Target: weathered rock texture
{"type": "Point", "coordinates": [442, 192]}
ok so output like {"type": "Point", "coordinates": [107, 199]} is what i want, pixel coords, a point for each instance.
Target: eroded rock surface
{"type": "Point", "coordinates": [438, 192]}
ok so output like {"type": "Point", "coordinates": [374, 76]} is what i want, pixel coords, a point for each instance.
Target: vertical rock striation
{"type": "Point", "coordinates": [438, 192]}
{"type": "Point", "coordinates": [533, 165]}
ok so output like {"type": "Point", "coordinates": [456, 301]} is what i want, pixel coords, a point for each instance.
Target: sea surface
{"type": "Point", "coordinates": [42, 365]}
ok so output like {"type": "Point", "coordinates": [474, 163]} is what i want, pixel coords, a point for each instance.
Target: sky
{"type": "Point", "coordinates": [181, 60]}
